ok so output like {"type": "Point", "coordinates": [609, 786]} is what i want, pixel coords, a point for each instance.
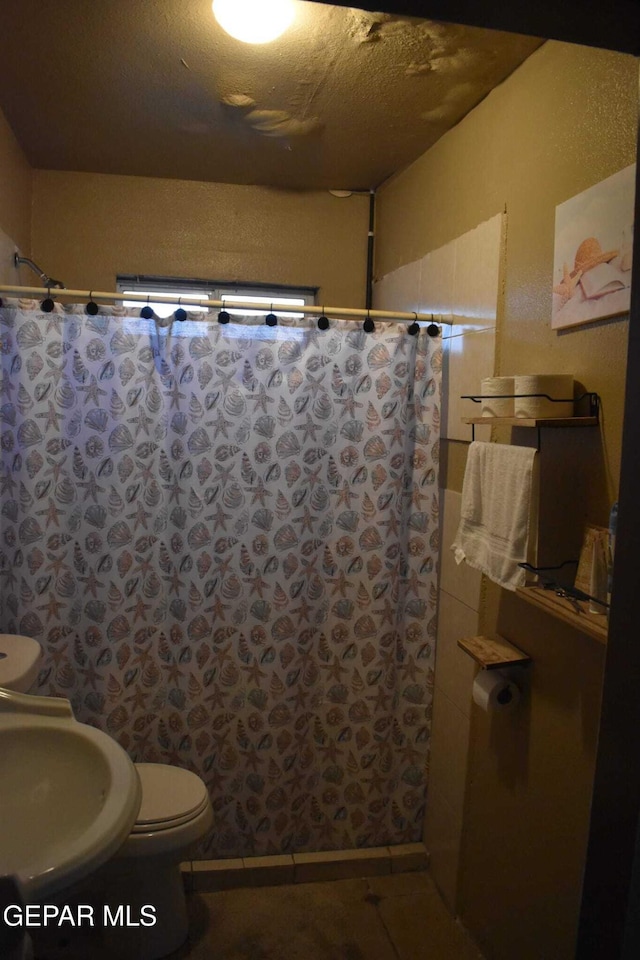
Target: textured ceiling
{"type": "Point", "coordinates": [156, 88]}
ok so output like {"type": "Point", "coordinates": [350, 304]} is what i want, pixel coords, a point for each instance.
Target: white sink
{"type": "Point", "coordinates": [69, 794]}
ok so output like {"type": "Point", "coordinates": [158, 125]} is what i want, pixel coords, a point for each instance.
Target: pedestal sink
{"type": "Point", "coordinates": [69, 794]}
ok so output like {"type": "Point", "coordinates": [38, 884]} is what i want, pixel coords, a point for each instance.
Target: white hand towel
{"type": "Point", "coordinates": [496, 510]}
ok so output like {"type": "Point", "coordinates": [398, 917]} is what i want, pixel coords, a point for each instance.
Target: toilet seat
{"type": "Point", "coordinates": [171, 796]}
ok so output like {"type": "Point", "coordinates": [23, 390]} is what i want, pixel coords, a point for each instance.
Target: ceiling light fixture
{"type": "Point", "coordinates": [254, 21]}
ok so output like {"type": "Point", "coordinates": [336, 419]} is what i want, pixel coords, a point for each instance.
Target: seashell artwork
{"type": "Point", "coordinates": [294, 380]}
{"type": "Point", "coordinates": [29, 531]}
{"type": "Point", "coordinates": [348, 520]}
{"type": "Point", "coordinates": [375, 449]}
{"type": "Point", "coordinates": [28, 434]}
{"type": "Point", "coordinates": [360, 475]}
{"type": "Point", "coordinates": [33, 464]}
{"type": "Point", "coordinates": [34, 365]}
{"type": "Point", "coordinates": [287, 445]}
{"type": "Point", "coordinates": [349, 456]}
{"type": "Point", "coordinates": [262, 518]}
{"type": "Point", "coordinates": [29, 335]}
{"type": "Point", "coordinates": [265, 426]}
{"type": "Point", "coordinates": [370, 539]}
{"type": "Point", "coordinates": [352, 430]}
{"type": "Point", "coordinates": [300, 404]}
{"type": "Point", "coordinates": [289, 351]}
{"type": "Point", "coordinates": [234, 403]}
{"type": "Point", "coordinates": [233, 498]}
{"type": "Point", "coordinates": [120, 439]}
{"type": "Point", "coordinates": [41, 392]}
{"type": "Point", "coordinates": [363, 384]}
{"type": "Point", "coordinates": [378, 357]}
{"type": "Point", "coordinates": [323, 407]}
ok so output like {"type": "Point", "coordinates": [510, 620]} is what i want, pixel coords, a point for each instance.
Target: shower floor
{"type": "Point", "coordinates": [395, 917]}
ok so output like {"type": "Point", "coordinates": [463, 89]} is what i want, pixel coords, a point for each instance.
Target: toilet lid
{"type": "Point", "coordinates": [170, 796]}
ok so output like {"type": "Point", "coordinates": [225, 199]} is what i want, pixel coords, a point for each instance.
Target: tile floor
{"type": "Point", "coordinates": [394, 917]}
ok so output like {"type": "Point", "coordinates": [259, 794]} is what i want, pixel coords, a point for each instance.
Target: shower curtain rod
{"type": "Point", "coordinates": [348, 313]}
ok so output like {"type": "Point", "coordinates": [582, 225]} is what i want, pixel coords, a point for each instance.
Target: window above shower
{"type": "Point", "coordinates": [266, 297]}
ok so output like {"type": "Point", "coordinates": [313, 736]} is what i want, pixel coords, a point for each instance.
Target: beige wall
{"type": "Point", "coordinates": [87, 228]}
{"type": "Point", "coordinates": [15, 200]}
{"type": "Point", "coordinates": [564, 121]}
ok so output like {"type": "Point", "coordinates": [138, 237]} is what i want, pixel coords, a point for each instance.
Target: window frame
{"type": "Point", "coordinates": [216, 290]}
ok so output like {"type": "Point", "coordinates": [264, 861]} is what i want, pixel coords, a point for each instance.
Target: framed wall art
{"type": "Point", "coordinates": [593, 252]}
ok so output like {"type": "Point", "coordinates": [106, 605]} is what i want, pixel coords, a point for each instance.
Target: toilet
{"type": "Point", "coordinates": [175, 814]}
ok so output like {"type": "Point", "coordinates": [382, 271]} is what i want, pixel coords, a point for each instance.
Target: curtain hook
{"type": "Point", "coordinates": [433, 329]}
{"type": "Point", "coordinates": [47, 304]}
{"type": "Point", "coordinates": [91, 307]}
{"type": "Point", "coordinates": [180, 314]}
{"type": "Point", "coordinates": [323, 322]}
{"type": "Point", "coordinates": [368, 326]}
{"type": "Point", "coordinates": [414, 327]}
{"type": "Point", "coordinates": [271, 319]}
{"type": "Point", "coordinates": [146, 313]}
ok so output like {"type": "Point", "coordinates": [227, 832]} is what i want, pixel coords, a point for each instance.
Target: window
{"type": "Point", "coordinates": [265, 297]}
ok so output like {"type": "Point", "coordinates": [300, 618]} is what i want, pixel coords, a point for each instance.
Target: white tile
{"type": "Point", "coordinates": [399, 289]}
{"type": "Point", "coordinates": [459, 580]}
{"type": "Point", "coordinates": [466, 360]}
{"type": "Point", "coordinates": [436, 283]}
{"type": "Point", "coordinates": [476, 281]}
{"type": "Point", "coordinates": [455, 669]}
{"type": "Point", "coordinates": [449, 750]}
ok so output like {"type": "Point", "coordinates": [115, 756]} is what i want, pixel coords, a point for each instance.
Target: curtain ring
{"type": "Point", "coordinates": [271, 320]}
{"type": "Point", "coordinates": [414, 327]}
{"type": "Point", "coordinates": [433, 329]}
{"type": "Point", "coordinates": [91, 308]}
{"type": "Point", "coordinates": [368, 326]}
{"type": "Point", "coordinates": [47, 304]}
{"type": "Point", "coordinates": [323, 322]}
{"type": "Point", "coordinates": [179, 314]}
{"type": "Point", "coordinates": [146, 313]}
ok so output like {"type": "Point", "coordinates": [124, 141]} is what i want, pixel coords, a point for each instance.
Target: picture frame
{"type": "Point", "coordinates": [593, 252]}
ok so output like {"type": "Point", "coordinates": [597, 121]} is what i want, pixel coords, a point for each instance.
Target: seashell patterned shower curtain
{"type": "Point", "coordinates": [225, 539]}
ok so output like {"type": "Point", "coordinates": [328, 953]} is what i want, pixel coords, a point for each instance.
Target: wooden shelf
{"type": "Point", "coordinates": [593, 624]}
{"type": "Point", "coordinates": [493, 652]}
{"type": "Point", "coordinates": [534, 421]}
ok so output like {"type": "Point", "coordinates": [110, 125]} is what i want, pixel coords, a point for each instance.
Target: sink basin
{"type": "Point", "coordinates": [69, 794]}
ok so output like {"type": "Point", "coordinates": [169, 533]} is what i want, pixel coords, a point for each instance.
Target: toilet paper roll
{"type": "Point", "coordinates": [494, 692]}
{"type": "Point", "coordinates": [557, 386]}
{"type": "Point", "coordinates": [492, 386]}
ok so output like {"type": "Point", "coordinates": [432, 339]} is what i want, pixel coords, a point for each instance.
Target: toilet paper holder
{"type": "Point", "coordinates": [497, 686]}
{"type": "Point", "coordinates": [493, 653]}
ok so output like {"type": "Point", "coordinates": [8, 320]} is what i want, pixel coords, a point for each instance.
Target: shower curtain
{"type": "Point", "coordinates": [225, 539]}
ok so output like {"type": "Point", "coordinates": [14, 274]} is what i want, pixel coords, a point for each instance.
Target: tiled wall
{"type": "Point", "coordinates": [458, 605]}
{"type": "Point", "coordinates": [461, 282]}
{"type": "Point", "coordinates": [457, 282]}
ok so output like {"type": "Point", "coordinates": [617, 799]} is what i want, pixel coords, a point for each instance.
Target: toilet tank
{"type": "Point", "coordinates": [19, 662]}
